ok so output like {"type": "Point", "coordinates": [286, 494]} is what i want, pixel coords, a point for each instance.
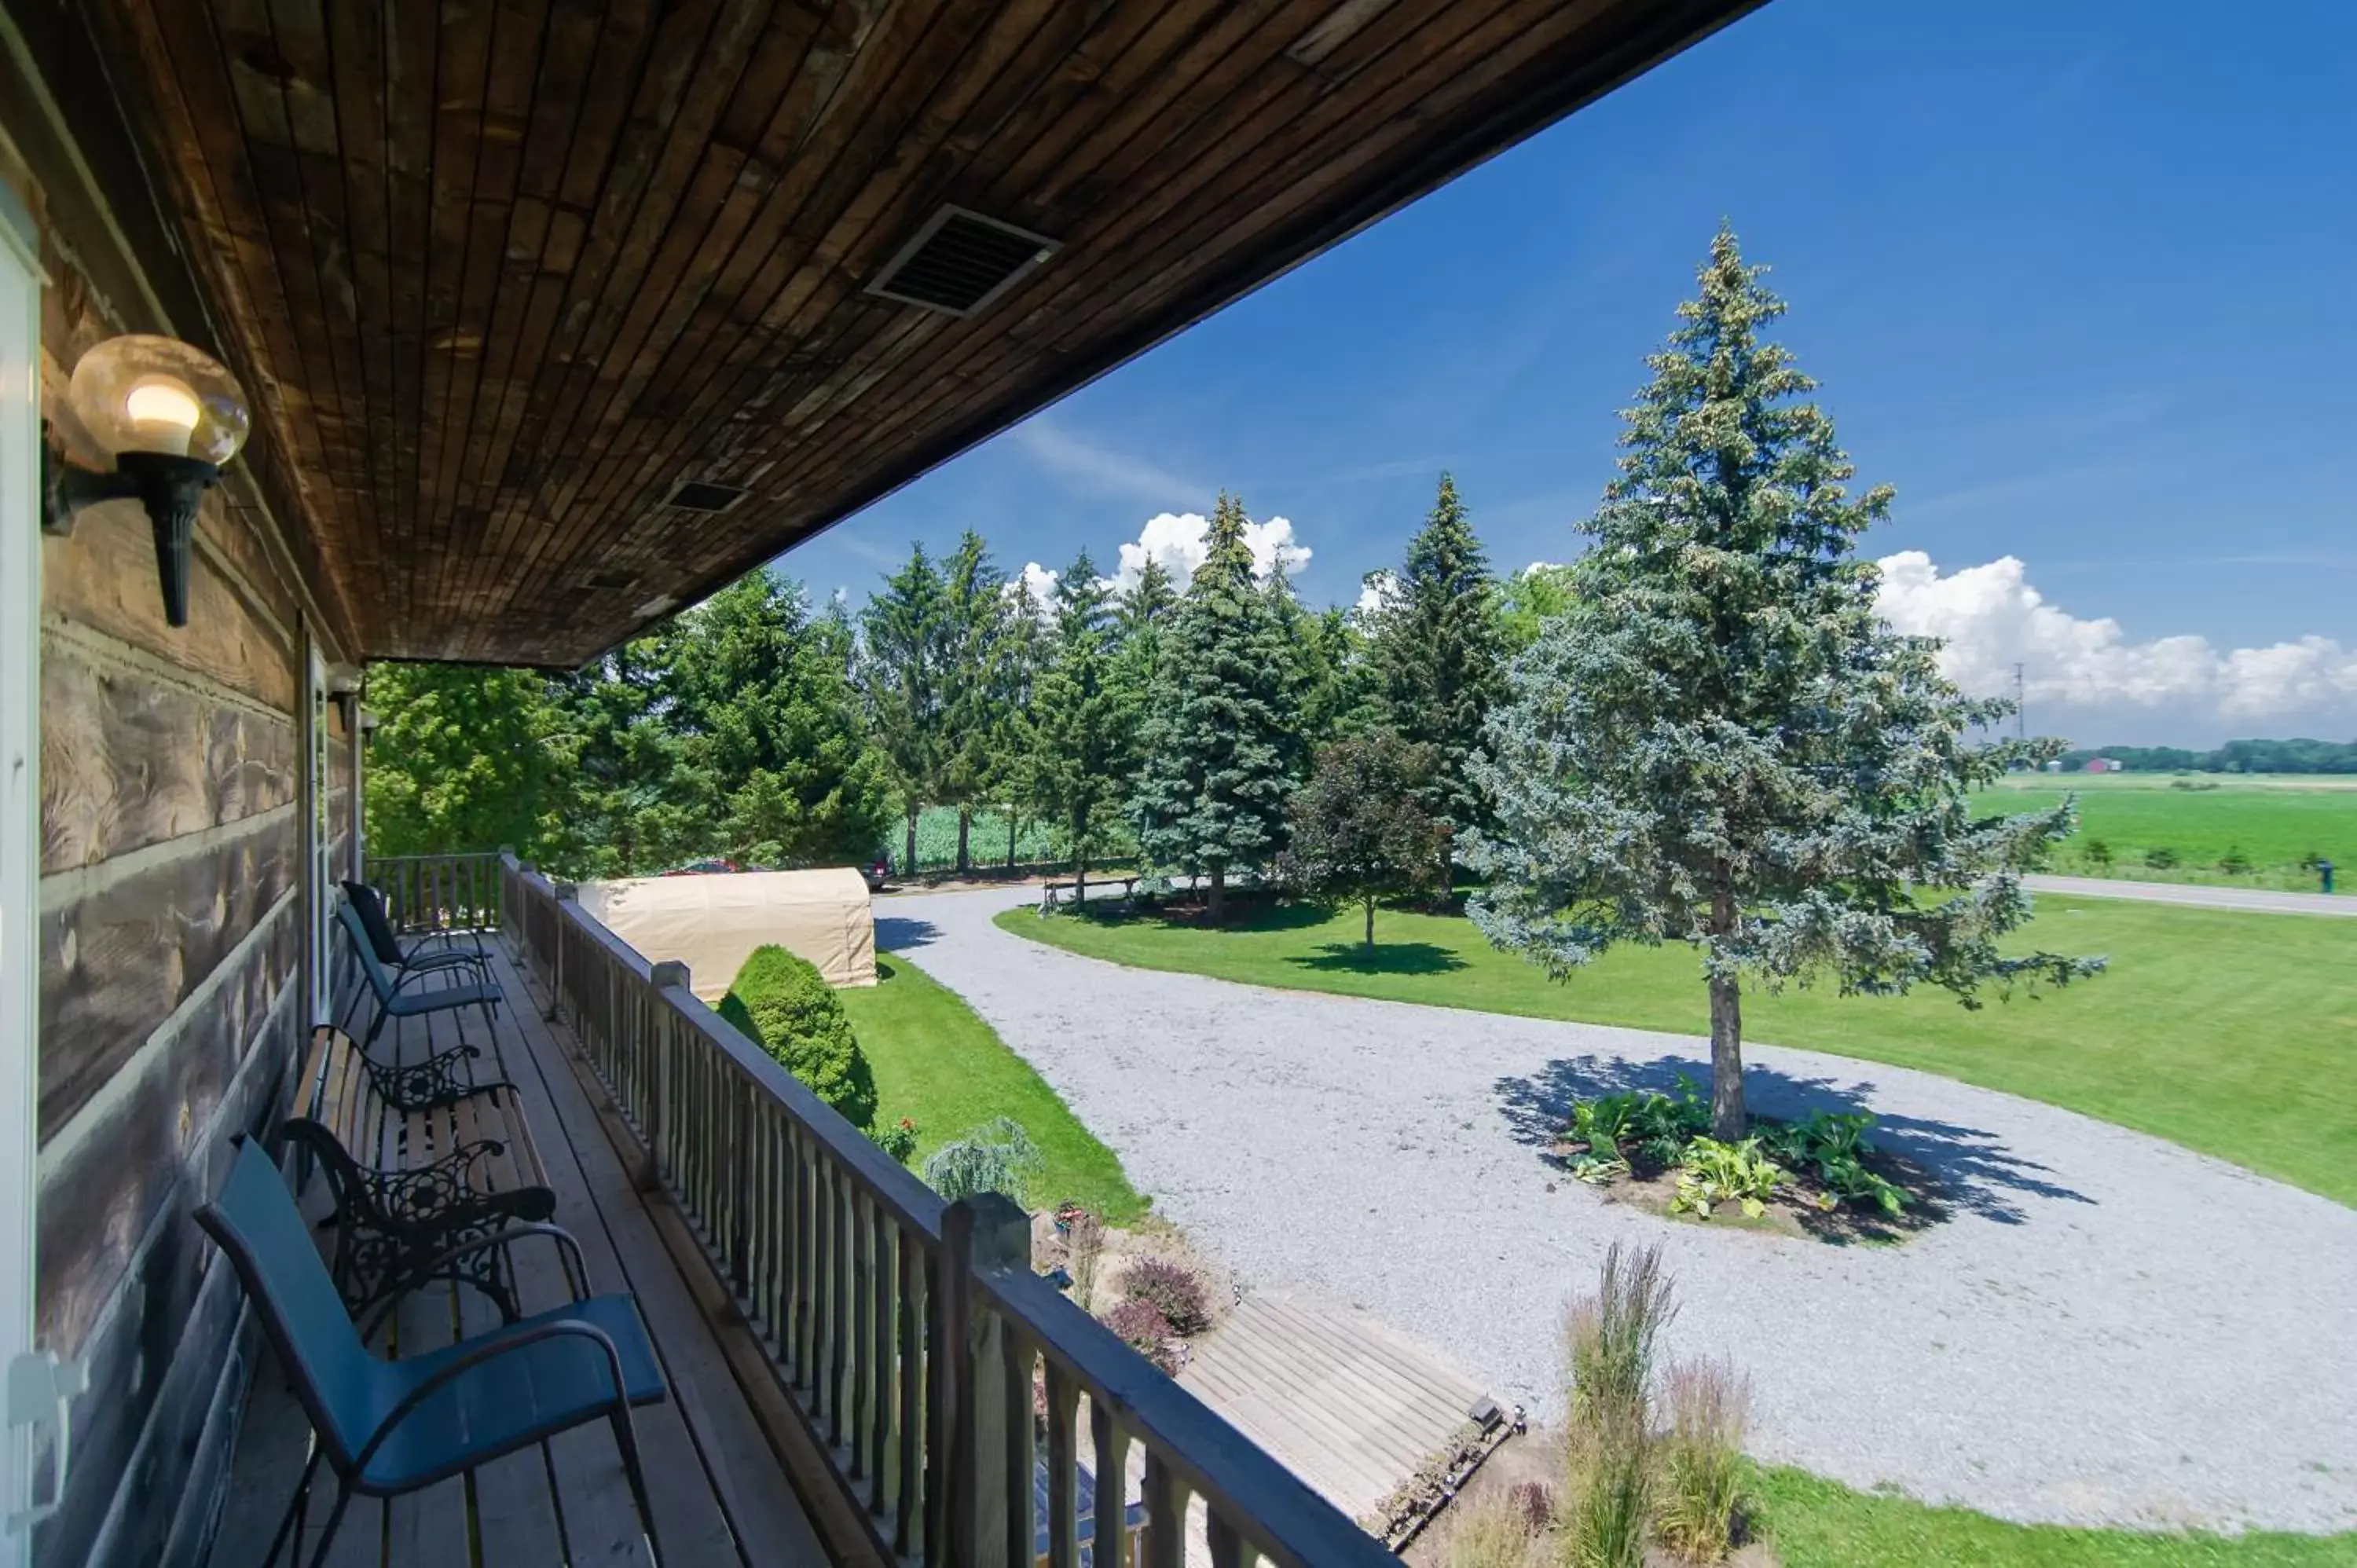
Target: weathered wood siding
{"type": "Point", "coordinates": [172, 910]}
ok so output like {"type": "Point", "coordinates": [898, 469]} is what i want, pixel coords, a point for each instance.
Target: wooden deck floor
{"type": "Point", "coordinates": [719, 1493]}
{"type": "Point", "coordinates": [1344, 1402]}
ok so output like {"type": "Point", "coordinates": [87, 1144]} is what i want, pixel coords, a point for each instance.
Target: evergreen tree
{"type": "Point", "coordinates": [636, 805]}
{"type": "Point", "coordinates": [974, 707]}
{"type": "Point", "coordinates": [769, 721]}
{"type": "Point", "coordinates": [1083, 723]}
{"type": "Point", "coordinates": [1723, 743]}
{"type": "Point", "coordinates": [1141, 623]}
{"type": "Point", "coordinates": [1210, 795]}
{"type": "Point", "coordinates": [904, 633]}
{"type": "Point", "coordinates": [464, 759]}
{"type": "Point", "coordinates": [1435, 657]}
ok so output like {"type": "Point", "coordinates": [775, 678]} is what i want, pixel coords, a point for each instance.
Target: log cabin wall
{"type": "Point", "coordinates": [172, 899]}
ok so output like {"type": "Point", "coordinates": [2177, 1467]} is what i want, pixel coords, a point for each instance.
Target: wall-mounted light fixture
{"type": "Point", "coordinates": [169, 417]}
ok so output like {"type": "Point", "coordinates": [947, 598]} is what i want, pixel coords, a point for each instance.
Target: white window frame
{"type": "Point", "coordinates": [20, 838]}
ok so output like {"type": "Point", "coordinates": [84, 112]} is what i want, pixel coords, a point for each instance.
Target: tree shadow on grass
{"type": "Point", "coordinates": [898, 933]}
{"type": "Point", "coordinates": [1387, 957]}
{"type": "Point", "coordinates": [1975, 1173]}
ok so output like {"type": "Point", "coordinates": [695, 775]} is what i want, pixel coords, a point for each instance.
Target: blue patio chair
{"type": "Point", "coordinates": [369, 904]}
{"type": "Point", "coordinates": [386, 1428]}
{"type": "Point", "coordinates": [403, 998]}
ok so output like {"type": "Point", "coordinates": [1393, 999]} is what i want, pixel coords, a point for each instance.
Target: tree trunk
{"type": "Point", "coordinates": [1371, 924]}
{"type": "Point", "coordinates": [1010, 838]}
{"type": "Point", "coordinates": [1728, 1120]}
{"type": "Point", "coordinates": [965, 857]}
{"type": "Point", "coordinates": [1081, 883]}
{"type": "Point", "coordinates": [1216, 903]}
{"type": "Point", "coordinates": [909, 865]}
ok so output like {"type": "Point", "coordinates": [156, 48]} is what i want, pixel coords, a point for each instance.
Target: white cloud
{"type": "Point", "coordinates": [1041, 583]}
{"type": "Point", "coordinates": [1176, 540]}
{"type": "Point", "coordinates": [1990, 617]}
{"type": "Point", "coordinates": [1376, 591]}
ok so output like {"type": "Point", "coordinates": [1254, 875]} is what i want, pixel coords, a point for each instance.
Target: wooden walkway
{"type": "Point", "coordinates": [1347, 1405]}
{"type": "Point", "coordinates": [719, 1493]}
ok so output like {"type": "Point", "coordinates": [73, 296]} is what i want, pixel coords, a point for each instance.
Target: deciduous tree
{"type": "Point", "coordinates": [1723, 743]}
{"type": "Point", "coordinates": [1360, 829]}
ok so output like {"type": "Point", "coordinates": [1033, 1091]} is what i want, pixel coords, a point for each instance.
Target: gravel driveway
{"type": "Point", "coordinates": [2112, 1331]}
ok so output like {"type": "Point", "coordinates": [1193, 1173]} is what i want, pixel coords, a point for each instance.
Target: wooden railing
{"type": "Point", "coordinates": [908, 1335]}
{"type": "Point", "coordinates": [438, 891]}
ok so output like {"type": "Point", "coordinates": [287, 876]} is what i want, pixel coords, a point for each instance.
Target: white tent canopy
{"type": "Point", "coordinates": [712, 923]}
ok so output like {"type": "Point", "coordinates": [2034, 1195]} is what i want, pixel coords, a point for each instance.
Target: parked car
{"type": "Point", "coordinates": [712, 867]}
{"type": "Point", "coordinates": [878, 871]}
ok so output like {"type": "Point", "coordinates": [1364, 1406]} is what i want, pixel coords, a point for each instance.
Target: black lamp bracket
{"type": "Point", "coordinates": [170, 487]}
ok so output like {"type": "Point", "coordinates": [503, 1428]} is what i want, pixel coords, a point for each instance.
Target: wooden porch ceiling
{"type": "Point", "coordinates": [502, 274]}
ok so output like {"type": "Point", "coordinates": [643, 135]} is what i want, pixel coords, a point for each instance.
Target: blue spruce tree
{"type": "Point", "coordinates": [1723, 743]}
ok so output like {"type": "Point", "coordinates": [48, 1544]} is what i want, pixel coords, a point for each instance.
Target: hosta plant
{"type": "Point", "coordinates": [1715, 1172]}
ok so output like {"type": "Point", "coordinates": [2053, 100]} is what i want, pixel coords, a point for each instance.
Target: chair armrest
{"type": "Point", "coordinates": [568, 1251]}
{"type": "Point", "coordinates": [499, 1344]}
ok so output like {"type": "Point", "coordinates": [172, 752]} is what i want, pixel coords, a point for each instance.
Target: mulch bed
{"type": "Point", "coordinates": [1794, 1210]}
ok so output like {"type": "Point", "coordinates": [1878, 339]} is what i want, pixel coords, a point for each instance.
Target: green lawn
{"type": "Point", "coordinates": [2227, 1032]}
{"type": "Point", "coordinates": [938, 1063]}
{"type": "Point", "coordinates": [1816, 1523]}
{"type": "Point", "coordinates": [2272, 820]}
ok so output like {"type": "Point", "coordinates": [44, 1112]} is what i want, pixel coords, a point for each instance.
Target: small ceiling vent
{"type": "Point", "coordinates": [695, 495]}
{"type": "Point", "coordinates": [960, 262]}
{"type": "Point", "coordinates": [610, 582]}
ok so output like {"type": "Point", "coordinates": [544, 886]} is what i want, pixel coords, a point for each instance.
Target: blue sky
{"type": "Point", "coordinates": [2078, 285]}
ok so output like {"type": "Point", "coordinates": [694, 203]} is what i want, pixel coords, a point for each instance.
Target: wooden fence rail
{"type": "Point", "coordinates": [427, 893]}
{"type": "Point", "coordinates": [971, 1412]}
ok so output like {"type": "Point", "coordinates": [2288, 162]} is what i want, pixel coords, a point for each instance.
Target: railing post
{"type": "Point", "coordinates": [670, 972]}
{"type": "Point", "coordinates": [985, 1231]}
{"type": "Point", "coordinates": [566, 893]}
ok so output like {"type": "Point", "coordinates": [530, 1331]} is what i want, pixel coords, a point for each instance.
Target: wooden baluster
{"type": "Point", "coordinates": [1064, 1468]}
{"type": "Point", "coordinates": [910, 1517]}
{"type": "Point", "coordinates": [805, 1271]}
{"type": "Point", "coordinates": [1165, 1515]}
{"type": "Point", "coordinates": [859, 1331]}
{"type": "Point", "coordinates": [1110, 1506]}
{"type": "Point", "coordinates": [842, 1332]}
{"type": "Point", "coordinates": [1019, 1474]}
{"type": "Point", "coordinates": [1227, 1546]}
{"type": "Point", "coordinates": [883, 1252]}
{"type": "Point", "coordinates": [945, 1307]}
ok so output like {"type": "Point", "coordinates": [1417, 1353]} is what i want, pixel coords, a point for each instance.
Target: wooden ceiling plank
{"type": "Point", "coordinates": [247, 49]}
{"type": "Point", "coordinates": [355, 34]}
{"type": "Point", "coordinates": [519, 37]}
{"type": "Point", "coordinates": [662, 78]}
{"type": "Point", "coordinates": [1204, 187]}
{"type": "Point", "coordinates": [463, 46]}
{"type": "Point", "coordinates": [623, 42]}
{"type": "Point", "coordinates": [412, 68]}
{"type": "Point", "coordinates": [876, 213]}
{"type": "Point", "coordinates": [788, 316]}
{"type": "Point", "coordinates": [524, 302]}
{"type": "Point", "coordinates": [307, 92]}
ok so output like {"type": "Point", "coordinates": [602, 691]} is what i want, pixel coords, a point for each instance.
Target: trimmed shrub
{"type": "Point", "coordinates": [782, 1004]}
{"type": "Point", "coordinates": [1176, 1290]}
{"type": "Point", "coordinates": [1142, 1328]}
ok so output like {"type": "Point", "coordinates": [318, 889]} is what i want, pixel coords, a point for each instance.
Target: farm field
{"type": "Point", "coordinates": [2271, 821]}
{"type": "Point", "coordinates": [2221, 1031]}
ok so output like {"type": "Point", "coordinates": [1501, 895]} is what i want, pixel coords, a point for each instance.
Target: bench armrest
{"type": "Point", "coordinates": [568, 1251]}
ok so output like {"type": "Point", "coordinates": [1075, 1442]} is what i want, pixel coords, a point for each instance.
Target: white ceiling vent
{"type": "Point", "coordinates": [960, 262]}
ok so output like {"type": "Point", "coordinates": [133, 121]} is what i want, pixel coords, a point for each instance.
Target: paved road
{"type": "Point", "coordinates": [2193, 894]}
{"type": "Point", "coordinates": [2111, 1328]}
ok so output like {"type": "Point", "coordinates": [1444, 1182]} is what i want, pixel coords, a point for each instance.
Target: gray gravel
{"type": "Point", "coordinates": [2113, 1330]}
{"type": "Point", "coordinates": [2249, 899]}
